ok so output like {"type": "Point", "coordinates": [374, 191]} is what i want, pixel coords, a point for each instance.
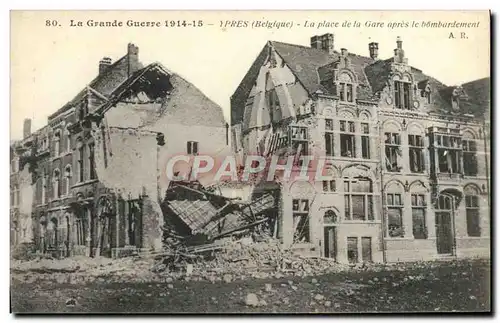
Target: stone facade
{"type": "Point", "coordinates": [406, 158]}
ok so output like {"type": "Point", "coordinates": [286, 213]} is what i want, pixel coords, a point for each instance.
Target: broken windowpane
{"type": "Point", "coordinates": [352, 249]}
{"type": "Point", "coordinates": [301, 220]}
{"type": "Point", "coordinates": [416, 150]}
{"type": "Point", "coordinates": [392, 152]}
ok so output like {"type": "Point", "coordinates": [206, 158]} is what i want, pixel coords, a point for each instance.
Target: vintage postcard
{"type": "Point", "coordinates": [250, 162]}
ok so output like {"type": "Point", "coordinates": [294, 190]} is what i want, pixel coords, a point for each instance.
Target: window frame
{"type": "Point", "coordinates": [392, 144]}
{"type": "Point", "coordinates": [368, 199]}
{"type": "Point", "coordinates": [391, 204]}
{"type": "Point", "coordinates": [301, 212]}
{"type": "Point", "coordinates": [416, 144]}
{"type": "Point", "coordinates": [473, 209]}
{"type": "Point", "coordinates": [416, 204]}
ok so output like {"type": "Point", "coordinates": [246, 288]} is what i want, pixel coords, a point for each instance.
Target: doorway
{"type": "Point", "coordinates": [330, 239]}
{"type": "Point", "coordinates": [444, 225]}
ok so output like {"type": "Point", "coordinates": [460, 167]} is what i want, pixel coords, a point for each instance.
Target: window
{"type": "Point", "coordinates": [192, 147]}
{"type": "Point", "coordinates": [329, 186]}
{"type": "Point", "coordinates": [93, 174]}
{"type": "Point", "coordinates": [81, 167]}
{"type": "Point", "coordinates": [358, 199]}
{"type": "Point", "coordinates": [402, 95]}
{"type": "Point", "coordinates": [80, 231]}
{"type": "Point", "coordinates": [470, 159]}
{"type": "Point", "coordinates": [365, 141]}
{"type": "Point", "coordinates": [352, 249]}
{"type": "Point", "coordinates": [416, 150]}
{"type": "Point", "coordinates": [418, 206]}
{"type": "Point", "coordinates": [274, 104]}
{"type": "Point", "coordinates": [472, 213]}
{"type": "Point", "coordinates": [366, 249]}
{"type": "Point", "coordinates": [347, 141]}
{"type": "Point", "coordinates": [299, 140]}
{"type": "Point", "coordinates": [395, 215]}
{"type": "Point", "coordinates": [392, 152]}
{"type": "Point", "coordinates": [67, 176]}
{"type": "Point", "coordinates": [346, 92]}
{"type": "Point", "coordinates": [67, 134]}
{"type": "Point", "coordinates": [329, 150]}
{"type": "Point", "coordinates": [300, 220]}
{"type": "Point", "coordinates": [448, 153]}
{"type": "Point", "coordinates": [44, 187]}
{"type": "Point", "coordinates": [56, 184]}
{"type": "Point", "coordinates": [57, 140]}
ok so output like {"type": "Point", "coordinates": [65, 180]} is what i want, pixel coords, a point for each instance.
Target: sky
{"type": "Point", "coordinates": [51, 64]}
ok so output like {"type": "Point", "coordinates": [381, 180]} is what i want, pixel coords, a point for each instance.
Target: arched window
{"type": "Point", "coordinates": [56, 180]}
{"type": "Point", "coordinates": [472, 212]}
{"type": "Point", "coordinates": [68, 174]}
{"type": "Point", "coordinates": [358, 198]}
{"type": "Point", "coordinates": [57, 141]}
{"type": "Point", "coordinates": [395, 206]}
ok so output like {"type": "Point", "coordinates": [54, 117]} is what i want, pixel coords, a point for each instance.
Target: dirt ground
{"type": "Point", "coordinates": [432, 287]}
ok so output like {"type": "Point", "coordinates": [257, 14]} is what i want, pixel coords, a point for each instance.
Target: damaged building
{"type": "Point", "coordinates": [407, 156]}
{"type": "Point", "coordinates": [96, 169]}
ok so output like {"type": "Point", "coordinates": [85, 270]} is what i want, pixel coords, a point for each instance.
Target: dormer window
{"type": "Point", "coordinates": [402, 95]}
{"type": "Point", "coordinates": [346, 89]}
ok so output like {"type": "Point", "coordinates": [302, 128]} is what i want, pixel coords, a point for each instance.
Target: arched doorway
{"type": "Point", "coordinates": [445, 209]}
{"type": "Point", "coordinates": [330, 220]}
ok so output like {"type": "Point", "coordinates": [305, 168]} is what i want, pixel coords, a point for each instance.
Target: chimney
{"type": "Point", "coordinates": [373, 48]}
{"type": "Point", "coordinates": [26, 128]}
{"type": "Point", "coordinates": [399, 53]}
{"type": "Point", "coordinates": [324, 42]}
{"type": "Point", "coordinates": [104, 63]}
{"type": "Point", "coordinates": [316, 42]}
{"type": "Point", "coordinates": [133, 58]}
{"type": "Point", "coordinates": [399, 42]}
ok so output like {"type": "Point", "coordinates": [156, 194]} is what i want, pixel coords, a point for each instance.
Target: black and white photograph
{"type": "Point", "coordinates": [279, 162]}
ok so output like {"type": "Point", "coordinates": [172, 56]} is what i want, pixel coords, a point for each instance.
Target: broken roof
{"type": "Point", "coordinates": [313, 66]}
